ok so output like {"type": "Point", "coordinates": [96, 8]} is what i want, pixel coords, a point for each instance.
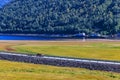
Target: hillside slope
{"type": "Point", "coordinates": [60, 16]}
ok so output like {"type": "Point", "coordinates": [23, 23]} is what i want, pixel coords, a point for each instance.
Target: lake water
{"type": "Point", "coordinates": [25, 37]}
{"type": "Point", "coordinates": [20, 37]}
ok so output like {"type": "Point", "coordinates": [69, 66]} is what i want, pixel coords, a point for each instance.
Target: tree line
{"type": "Point", "coordinates": [60, 17]}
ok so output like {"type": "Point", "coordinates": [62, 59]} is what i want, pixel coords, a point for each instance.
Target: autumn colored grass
{"type": "Point", "coordinates": [104, 50]}
{"type": "Point", "coordinates": [95, 49]}
{"type": "Point", "coordinates": [24, 71]}
{"type": "Point", "coordinates": [109, 50]}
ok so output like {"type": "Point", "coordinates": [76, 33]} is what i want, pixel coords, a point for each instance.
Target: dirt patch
{"type": "Point", "coordinates": [9, 49]}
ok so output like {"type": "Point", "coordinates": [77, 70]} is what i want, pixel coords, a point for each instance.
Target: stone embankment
{"type": "Point", "coordinates": [62, 61]}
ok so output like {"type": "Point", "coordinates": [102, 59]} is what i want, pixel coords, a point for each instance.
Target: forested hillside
{"type": "Point", "coordinates": [60, 16]}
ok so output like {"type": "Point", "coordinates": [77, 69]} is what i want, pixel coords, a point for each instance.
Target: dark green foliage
{"type": "Point", "coordinates": [60, 16]}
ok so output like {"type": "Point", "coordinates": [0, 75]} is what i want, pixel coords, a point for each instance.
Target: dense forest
{"type": "Point", "coordinates": [60, 16]}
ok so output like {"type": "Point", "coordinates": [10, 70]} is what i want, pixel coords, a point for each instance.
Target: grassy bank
{"type": "Point", "coordinates": [91, 49]}
{"type": "Point", "coordinates": [109, 50]}
{"type": "Point", "coordinates": [24, 71]}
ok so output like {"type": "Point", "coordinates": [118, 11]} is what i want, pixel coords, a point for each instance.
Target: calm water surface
{"type": "Point", "coordinates": [25, 37]}
{"type": "Point", "coordinates": [16, 37]}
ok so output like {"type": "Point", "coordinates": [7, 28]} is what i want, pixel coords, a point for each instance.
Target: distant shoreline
{"type": "Point", "coordinates": [52, 35]}
{"type": "Point", "coordinates": [59, 38]}
{"type": "Point", "coordinates": [64, 40]}
{"type": "Point", "coordinates": [21, 34]}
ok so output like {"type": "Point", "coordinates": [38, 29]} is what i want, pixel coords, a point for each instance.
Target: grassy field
{"type": "Point", "coordinates": [108, 50]}
{"type": "Point", "coordinates": [24, 71]}
{"type": "Point", "coordinates": [105, 50]}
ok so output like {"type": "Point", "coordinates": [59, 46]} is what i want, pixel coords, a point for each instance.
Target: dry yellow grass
{"type": "Point", "coordinates": [96, 49]}
{"type": "Point", "coordinates": [24, 71]}
{"type": "Point", "coordinates": [89, 49]}
{"type": "Point", "coordinates": [107, 50]}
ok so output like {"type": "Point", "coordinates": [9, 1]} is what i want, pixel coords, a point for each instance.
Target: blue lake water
{"type": "Point", "coordinates": [26, 37]}
{"type": "Point", "coordinates": [20, 37]}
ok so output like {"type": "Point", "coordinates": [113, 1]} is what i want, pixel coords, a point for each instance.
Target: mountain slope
{"type": "Point", "coordinates": [59, 16]}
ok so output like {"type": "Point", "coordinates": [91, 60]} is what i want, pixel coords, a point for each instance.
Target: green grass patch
{"type": "Point", "coordinates": [94, 50]}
